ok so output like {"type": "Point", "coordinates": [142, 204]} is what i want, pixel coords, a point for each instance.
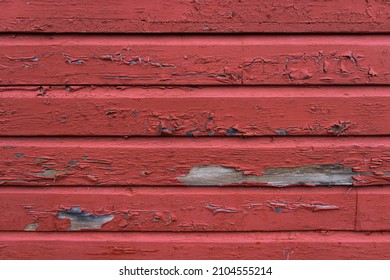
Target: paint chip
{"type": "Point", "coordinates": [31, 227]}
{"type": "Point", "coordinates": [80, 220]}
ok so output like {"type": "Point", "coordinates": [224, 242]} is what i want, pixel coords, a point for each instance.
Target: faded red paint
{"type": "Point", "coordinates": [177, 209]}
{"type": "Point", "coordinates": [373, 209]}
{"type": "Point", "coordinates": [258, 245]}
{"type": "Point", "coordinates": [194, 60]}
{"type": "Point", "coordinates": [216, 111]}
{"type": "Point", "coordinates": [195, 16]}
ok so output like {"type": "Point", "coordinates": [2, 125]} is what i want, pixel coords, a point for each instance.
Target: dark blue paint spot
{"type": "Point", "coordinates": [191, 133]}
{"type": "Point", "coordinates": [231, 131]}
{"type": "Point", "coordinates": [281, 132]}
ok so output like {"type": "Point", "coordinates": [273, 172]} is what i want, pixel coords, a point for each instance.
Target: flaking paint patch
{"type": "Point", "coordinates": [326, 174]}
{"type": "Point", "coordinates": [50, 173]}
{"type": "Point", "coordinates": [80, 220]}
{"type": "Point", "coordinates": [31, 227]}
{"type": "Point", "coordinates": [279, 206]}
{"type": "Point", "coordinates": [219, 209]}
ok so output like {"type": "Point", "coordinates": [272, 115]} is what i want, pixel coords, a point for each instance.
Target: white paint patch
{"type": "Point", "coordinates": [318, 175]}
{"type": "Point", "coordinates": [31, 227]}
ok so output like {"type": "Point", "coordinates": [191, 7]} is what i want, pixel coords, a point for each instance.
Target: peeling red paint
{"type": "Point", "coordinates": [305, 189]}
{"type": "Point", "coordinates": [216, 111]}
{"type": "Point", "coordinates": [196, 16]}
{"type": "Point", "coordinates": [177, 209]}
{"type": "Point", "coordinates": [242, 60]}
{"type": "Point", "coordinates": [113, 161]}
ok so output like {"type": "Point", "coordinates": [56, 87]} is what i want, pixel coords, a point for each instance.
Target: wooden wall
{"type": "Point", "coordinates": [195, 129]}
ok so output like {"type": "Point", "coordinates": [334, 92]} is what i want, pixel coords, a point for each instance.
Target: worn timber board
{"type": "Point", "coordinates": [269, 16]}
{"type": "Point", "coordinates": [185, 111]}
{"type": "Point", "coordinates": [177, 209]}
{"type": "Point", "coordinates": [194, 60]}
{"type": "Point", "coordinates": [195, 161]}
{"type": "Point", "coordinates": [269, 245]}
{"type": "Point", "coordinates": [373, 209]}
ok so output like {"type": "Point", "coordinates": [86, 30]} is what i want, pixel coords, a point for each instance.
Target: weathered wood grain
{"type": "Point", "coordinates": [270, 245]}
{"type": "Point", "coordinates": [195, 16]}
{"type": "Point", "coordinates": [195, 161]}
{"type": "Point", "coordinates": [373, 211]}
{"type": "Point", "coordinates": [194, 60]}
{"type": "Point", "coordinates": [212, 111]}
{"type": "Point", "coordinates": [177, 209]}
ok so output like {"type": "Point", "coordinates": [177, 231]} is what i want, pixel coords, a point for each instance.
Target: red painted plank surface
{"type": "Point", "coordinates": [195, 16]}
{"type": "Point", "coordinates": [195, 161]}
{"type": "Point", "coordinates": [194, 60]}
{"type": "Point", "coordinates": [55, 89]}
{"type": "Point", "coordinates": [270, 245]}
{"type": "Point", "coordinates": [373, 211]}
{"type": "Point", "coordinates": [177, 209]}
{"type": "Point", "coordinates": [212, 111]}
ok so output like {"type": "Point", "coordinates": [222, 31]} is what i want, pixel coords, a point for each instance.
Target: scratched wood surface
{"type": "Point", "coordinates": [195, 161]}
{"type": "Point", "coordinates": [194, 60]}
{"type": "Point", "coordinates": [270, 245]}
{"type": "Point", "coordinates": [215, 111]}
{"type": "Point", "coordinates": [195, 16]}
{"type": "Point", "coordinates": [373, 209]}
{"type": "Point", "coordinates": [177, 209]}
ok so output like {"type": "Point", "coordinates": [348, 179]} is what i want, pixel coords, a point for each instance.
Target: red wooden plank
{"type": "Point", "coordinates": [373, 211]}
{"type": "Point", "coordinates": [213, 111]}
{"type": "Point", "coordinates": [194, 60]}
{"type": "Point", "coordinates": [195, 161]}
{"type": "Point", "coordinates": [177, 209]}
{"type": "Point", "coordinates": [275, 245]}
{"type": "Point", "coordinates": [195, 16]}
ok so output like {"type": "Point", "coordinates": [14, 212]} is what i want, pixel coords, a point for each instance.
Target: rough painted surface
{"type": "Point", "coordinates": [194, 60]}
{"type": "Point", "coordinates": [195, 16]}
{"type": "Point", "coordinates": [177, 209]}
{"type": "Point", "coordinates": [373, 209]}
{"type": "Point", "coordinates": [270, 245]}
{"type": "Point", "coordinates": [137, 161]}
{"type": "Point", "coordinates": [80, 178]}
{"type": "Point", "coordinates": [210, 111]}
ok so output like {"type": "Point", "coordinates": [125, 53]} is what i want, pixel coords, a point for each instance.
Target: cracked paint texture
{"type": "Point", "coordinates": [210, 60]}
{"type": "Point", "coordinates": [113, 161]}
{"type": "Point", "coordinates": [193, 112]}
{"type": "Point", "coordinates": [119, 16]}
{"type": "Point", "coordinates": [176, 209]}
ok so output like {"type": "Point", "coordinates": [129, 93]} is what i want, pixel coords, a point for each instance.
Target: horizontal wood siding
{"type": "Point", "coordinates": [275, 245]}
{"type": "Point", "coordinates": [184, 111]}
{"type": "Point", "coordinates": [195, 129]}
{"type": "Point", "coordinates": [373, 209]}
{"type": "Point", "coordinates": [191, 161]}
{"type": "Point", "coordinates": [194, 60]}
{"type": "Point", "coordinates": [136, 16]}
{"type": "Point", "coordinates": [177, 209]}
